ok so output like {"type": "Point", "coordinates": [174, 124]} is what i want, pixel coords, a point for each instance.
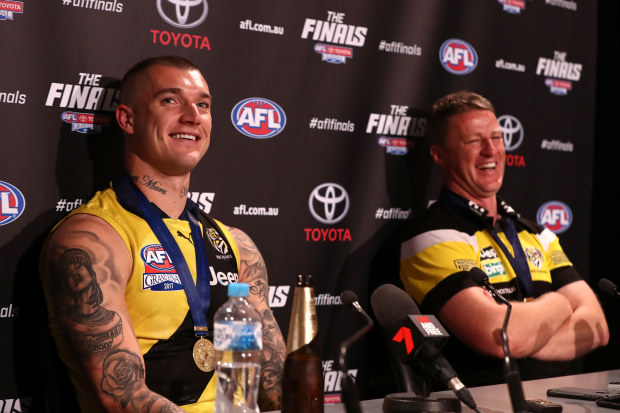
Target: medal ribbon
{"type": "Point", "coordinates": [199, 294]}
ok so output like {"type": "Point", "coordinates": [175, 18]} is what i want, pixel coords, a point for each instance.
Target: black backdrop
{"type": "Point", "coordinates": [317, 148]}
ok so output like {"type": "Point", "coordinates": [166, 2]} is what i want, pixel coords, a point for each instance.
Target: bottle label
{"type": "Point", "coordinates": [237, 335]}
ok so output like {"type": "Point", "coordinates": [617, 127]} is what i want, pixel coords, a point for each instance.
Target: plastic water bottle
{"type": "Point", "coordinates": [238, 341]}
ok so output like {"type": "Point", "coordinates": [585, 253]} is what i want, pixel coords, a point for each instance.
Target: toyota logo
{"type": "Point", "coordinates": [182, 9]}
{"type": "Point", "coordinates": [329, 203]}
{"type": "Point", "coordinates": [512, 132]}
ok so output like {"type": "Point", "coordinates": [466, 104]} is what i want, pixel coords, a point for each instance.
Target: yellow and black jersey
{"type": "Point", "coordinates": [454, 235]}
{"type": "Point", "coordinates": [156, 300]}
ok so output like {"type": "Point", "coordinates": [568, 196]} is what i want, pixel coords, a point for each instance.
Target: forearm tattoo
{"type": "Point", "coordinates": [123, 380]}
{"type": "Point", "coordinates": [274, 350]}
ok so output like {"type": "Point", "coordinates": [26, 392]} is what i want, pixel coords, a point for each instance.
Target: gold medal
{"type": "Point", "coordinates": [204, 355]}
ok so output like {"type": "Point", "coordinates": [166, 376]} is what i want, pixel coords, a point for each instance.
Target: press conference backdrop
{"type": "Point", "coordinates": [318, 148]}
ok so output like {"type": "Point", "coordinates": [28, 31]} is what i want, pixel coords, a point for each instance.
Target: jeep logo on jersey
{"type": "Point", "coordinates": [12, 203]}
{"type": "Point", "coordinates": [329, 203]}
{"type": "Point", "coordinates": [512, 132]}
{"type": "Point", "coordinates": [156, 257]}
{"type": "Point", "coordinates": [183, 14]}
{"type": "Point", "coordinates": [458, 57]}
{"type": "Point", "coordinates": [258, 118]}
{"type": "Point", "coordinates": [217, 241]}
{"type": "Point", "coordinates": [555, 215]}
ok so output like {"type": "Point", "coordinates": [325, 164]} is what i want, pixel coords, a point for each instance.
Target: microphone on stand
{"type": "Point", "coordinates": [417, 338]}
{"type": "Point", "coordinates": [608, 287]}
{"type": "Point", "coordinates": [511, 372]}
{"type": "Point", "coordinates": [349, 391]}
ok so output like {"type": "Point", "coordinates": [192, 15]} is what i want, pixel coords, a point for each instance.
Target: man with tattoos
{"type": "Point", "coordinates": [134, 276]}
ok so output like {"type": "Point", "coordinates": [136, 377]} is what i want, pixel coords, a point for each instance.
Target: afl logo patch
{"type": "Point", "coordinates": [258, 118]}
{"type": "Point", "coordinates": [156, 257]}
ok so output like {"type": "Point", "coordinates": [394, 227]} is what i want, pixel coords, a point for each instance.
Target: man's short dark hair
{"type": "Point", "coordinates": [446, 107]}
{"type": "Point", "coordinates": [141, 67]}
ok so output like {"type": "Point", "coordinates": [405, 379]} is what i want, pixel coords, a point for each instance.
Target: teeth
{"type": "Point", "coordinates": [489, 165]}
{"type": "Point", "coordinates": [184, 136]}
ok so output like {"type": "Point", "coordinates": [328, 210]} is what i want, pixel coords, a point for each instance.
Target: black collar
{"type": "Point", "coordinates": [474, 210]}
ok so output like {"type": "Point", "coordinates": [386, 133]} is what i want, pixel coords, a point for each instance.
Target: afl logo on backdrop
{"type": "Point", "coordinates": [258, 118]}
{"type": "Point", "coordinates": [458, 57]}
{"type": "Point", "coordinates": [181, 11]}
{"type": "Point", "coordinates": [555, 215]}
{"type": "Point", "coordinates": [12, 203]}
{"type": "Point", "coordinates": [329, 203]}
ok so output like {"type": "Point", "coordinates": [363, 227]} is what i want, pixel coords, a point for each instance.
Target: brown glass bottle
{"type": "Point", "coordinates": [302, 380]}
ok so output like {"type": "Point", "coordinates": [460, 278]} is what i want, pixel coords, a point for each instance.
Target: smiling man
{"type": "Point", "coordinates": [555, 315]}
{"type": "Point", "coordinates": [135, 334]}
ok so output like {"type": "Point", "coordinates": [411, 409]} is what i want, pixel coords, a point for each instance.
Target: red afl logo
{"type": "Point", "coordinates": [458, 57]}
{"type": "Point", "coordinates": [156, 257]}
{"type": "Point", "coordinates": [258, 118]}
{"type": "Point", "coordinates": [555, 215]}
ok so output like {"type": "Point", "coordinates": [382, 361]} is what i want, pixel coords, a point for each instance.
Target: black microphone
{"type": "Point", "coordinates": [608, 287]}
{"type": "Point", "coordinates": [422, 335]}
{"type": "Point", "coordinates": [511, 371]}
{"type": "Point", "coordinates": [349, 391]}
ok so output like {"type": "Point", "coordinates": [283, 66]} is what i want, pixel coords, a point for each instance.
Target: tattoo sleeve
{"type": "Point", "coordinates": [254, 272]}
{"type": "Point", "coordinates": [77, 280]}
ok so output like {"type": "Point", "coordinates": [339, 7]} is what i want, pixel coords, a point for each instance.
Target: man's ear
{"type": "Point", "coordinates": [124, 117]}
{"type": "Point", "coordinates": [437, 155]}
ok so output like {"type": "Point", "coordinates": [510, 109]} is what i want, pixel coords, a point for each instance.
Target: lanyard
{"type": "Point", "coordinates": [199, 294]}
{"type": "Point", "coordinates": [518, 261]}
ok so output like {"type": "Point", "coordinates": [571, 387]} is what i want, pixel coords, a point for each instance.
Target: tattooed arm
{"type": "Point", "coordinates": [254, 272]}
{"type": "Point", "coordinates": [86, 267]}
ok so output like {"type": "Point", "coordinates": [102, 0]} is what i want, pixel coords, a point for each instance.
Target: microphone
{"type": "Point", "coordinates": [349, 391]}
{"type": "Point", "coordinates": [608, 287]}
{"type": "Point", "coordinates": [423, 336]}
{"type": "Point", "coordinates": [511, 372]}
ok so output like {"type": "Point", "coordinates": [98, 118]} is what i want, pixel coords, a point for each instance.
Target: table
{"type": "Point", "coordinates": [496, 399]}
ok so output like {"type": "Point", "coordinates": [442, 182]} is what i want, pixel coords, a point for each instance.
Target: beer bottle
{"type": "Point", "coordinates": [302, 380]}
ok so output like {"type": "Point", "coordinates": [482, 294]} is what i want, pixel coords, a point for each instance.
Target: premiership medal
{"type": "Point", "coordinates": [204, 355]}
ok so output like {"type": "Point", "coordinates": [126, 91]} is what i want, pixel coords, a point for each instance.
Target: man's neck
{"type": "Point", "coordinates": [169, 193]}
{"type": "Point", "coordinates": [490, 203]}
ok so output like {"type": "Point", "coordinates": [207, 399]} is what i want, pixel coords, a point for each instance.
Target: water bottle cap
{"type": "Point", "coordinates": [238, 290]}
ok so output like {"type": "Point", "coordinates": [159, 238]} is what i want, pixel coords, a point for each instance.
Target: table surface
{"type": "Point", "coordinates": [496, 399]}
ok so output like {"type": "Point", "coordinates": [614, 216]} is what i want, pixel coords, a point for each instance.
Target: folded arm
{"type": "Point", "coordinates": [584, 331]}
{"type": "Point", "coordinates": [475, 317]}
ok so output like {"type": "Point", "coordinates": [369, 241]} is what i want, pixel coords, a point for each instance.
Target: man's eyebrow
{"type": "Point", "coordinates": [176, 91]}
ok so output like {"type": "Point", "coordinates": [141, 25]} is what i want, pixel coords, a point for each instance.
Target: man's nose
{"type": "Point", "coordinates": [191, 113]}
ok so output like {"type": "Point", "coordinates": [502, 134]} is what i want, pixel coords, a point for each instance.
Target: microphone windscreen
{"type": "Point", "coordinates": [348, 297]}
{"type": "Point", "coordinates": [479, 276]}
{"type": "Point", "coordinates": [391, 305]}
{"type": "Point", "coordinates": [607, 286]}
